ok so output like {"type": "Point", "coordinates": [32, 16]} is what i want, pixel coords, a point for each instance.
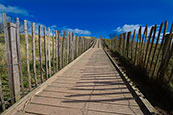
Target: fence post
{"type": "Point", "coordinates": [127, 45]}
{"type": "Point", "coordinates": [132, 45]}
{"type": "Point", "coordinates": [67, 53]}
{"type": "Point", "coordinates": [45, 53]}
{"type": "Point", "coordinates": [33, 54]}
{"type": "Point", "coordinates": [18, 54]}
{"type": "Point", "coordinates": [49, 58]}
{"type": "Point", "coordinates": [149, 38]}
{"type": "Point", "coordinates": [151, 47]}
{"type": "Point", "coordinates": [27, 54]}
{"type": "Point", "coordinates": [56, 50]}
{"type": "Point", "coordinates": [11, 45]}
{"type": "Point", "coordinates": [40, 53]}
{"type": "Point", "coordinates": [53, 52]}
{"type": "Point", "coordinates": [145, 34]}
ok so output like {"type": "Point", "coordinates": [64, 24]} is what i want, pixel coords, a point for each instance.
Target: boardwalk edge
{"type": "Point", "coordinates": [140, 98]}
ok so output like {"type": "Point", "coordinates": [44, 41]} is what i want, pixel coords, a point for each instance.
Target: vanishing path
{"type": "Point", "coordinates": [91, 86]}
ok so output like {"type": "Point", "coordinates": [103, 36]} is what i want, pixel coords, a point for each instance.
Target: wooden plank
{"type": "Point", "coordinates": [49, 58]}
{"type": "Point", "coordinates": [67, 53]}
{"type": "Point", "coordinates": [161, 46]}
{"type": "Point", "coordinates": [53, 51]}
{"type": "Point", "coordinates": [148, 43]}
{"type": "Point", "coordinates": [19, 55]}
{"type": "Point", "coordinates": [70, 44]}
{"type": "Point", "coordinates": [33, 54]}
{"type": "Point", "coordinates": [132, 45]}
{"type": "Point", "coordinates": [8, 56]}
{"type": "Point", "coordinates": [27, 55]}
{"type": "Point", "coordinates": [72, 48]}
{"type": "Point", "coordinates": [74, 45]}
{"type": "Point", "coordinates": [15, 70]}
{"type": "Point", "coordinates": [40, 54]}
{"type": "Point", "coordinates": [77, 46]}
{"type": "Point", "coordinates": [61, 47]}
{"type": "Point", "coordinates": [124, 43]}
{"type": "Point", "coordinates": [141, 49]}
{"type": "Point", "coordinates": [127, 44]}
{"type": "Point", "coordinates": [62, 50]}
{"type": "Point", "coordinates": [137, 49]}
{"type": "Point", "coordinates": [56, 49]}
{"type": "Point", "coordinates": [45, 53]}
{"type": "Point", "coordinates": [157, 41]}
{"type": "Point", "coordinates": [119, 48]}
{"type": "Point", "coordinates": [145, 34]}
{"type": "Point", "coordinates": [151, 47]}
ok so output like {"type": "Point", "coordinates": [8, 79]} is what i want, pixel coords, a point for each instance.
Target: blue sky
{"type": "Point", "coordinates": [91, 17]}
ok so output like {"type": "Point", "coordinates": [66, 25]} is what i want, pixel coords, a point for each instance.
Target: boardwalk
{"type": "Point", "coordinates": [91, 86]}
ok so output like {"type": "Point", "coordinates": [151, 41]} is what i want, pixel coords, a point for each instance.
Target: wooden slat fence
{"type": "Point", "coordinates": [151, 50]}
{"type": "Point", "coordinates": [34, 56]}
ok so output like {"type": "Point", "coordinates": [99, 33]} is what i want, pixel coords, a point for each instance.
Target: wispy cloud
{"type": "Point", "coordinates": [53, 26]}
{"type": "Point", "coordinates": [13, 9]}
{"type": "Point", "coordinates": [78, 31]}
{"type": "Point", "coordinates": [128, 28]}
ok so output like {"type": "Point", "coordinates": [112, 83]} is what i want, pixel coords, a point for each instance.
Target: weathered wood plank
{"type": "Point", "coordinates": [151, 47]}
{"type": "Point", "coordinates": [56, 49]}
{"type": "Point", "coordinates": [61, 51]}
{"type": "Point", "coordinates": [15, 70]}
{"type": "Point", "coordinates": [67, 53]}
{"type": "Point", "coordinates": [141, 49]}
{"type": "Point", "coordinates": [49, 57]}
{"type": "Point", "coordinates": [132, 45]}
{"type": "Point", "coordinates": [33, 54]}
{"type": "Point", "coordinates": [19, 55]}
{"type": "Point", "coordinates": [127, 44]}
{"type": "Point", "coordinates": [136, 48]}
{"type": "Point", "coordinates": [8, 56]}
{"type": "Point", "coordinates": [148, 43]}
{"type": "Point", "coordinates": [27, 55]}
{"type": "Point", "coordinates": [53, 52]}
{"type": "Point", "coordinates": [40, 53]}
{"type": "Point", "coordinates": [145, 34]}
{"type": "Point", "coordinates": [45, 53]}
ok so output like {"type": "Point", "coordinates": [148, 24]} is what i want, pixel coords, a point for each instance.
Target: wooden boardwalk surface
{"type": "Point", "coordinates": [91, 86]}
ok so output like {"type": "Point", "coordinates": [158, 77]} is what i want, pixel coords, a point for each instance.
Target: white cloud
{"type": "Point", "coordinates": [78, 31]}
{"type": "Point", "coordinates": [128, 28]}
{"type": "Point", "coordinates": [53, 26]}
{"type": "Point", "coordinates": [13, 9]}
